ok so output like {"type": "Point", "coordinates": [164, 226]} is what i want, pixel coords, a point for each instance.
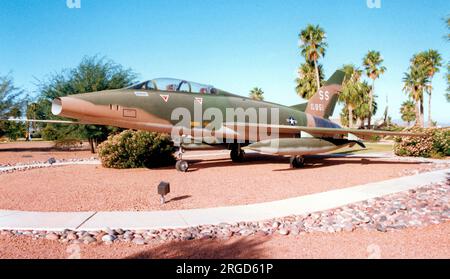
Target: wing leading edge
{"type": "Point", "coordinates": [42, 121]}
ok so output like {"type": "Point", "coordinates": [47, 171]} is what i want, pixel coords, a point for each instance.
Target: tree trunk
{"type": "Point", "coordinates": [317, 75]}
{"type": "Point", "coordinates": [417, 112]}
{"type": "Point", "coordinates": [430, 124]}
{"type": "Point", "coordinates": [28, 132]}
{"type": "Point", "coordinates": [422, 120]}
{"type": "Point", "coordinates": [350, 116]}
{"type": "Point", "coordinates": [371, 102]}
{"type": "Point", "coordinates": [95, 143]}
{"type": "Point", "coordinates": [91, 145]}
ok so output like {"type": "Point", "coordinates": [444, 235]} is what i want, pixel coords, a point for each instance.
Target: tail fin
{"type": "Point", "coordinates": [322, 104]}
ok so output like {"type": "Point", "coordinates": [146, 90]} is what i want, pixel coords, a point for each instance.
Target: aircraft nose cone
{"type": "Point", "coordinates": [56, 106]}
{"type": "Point", "coordinates": [68, 107]}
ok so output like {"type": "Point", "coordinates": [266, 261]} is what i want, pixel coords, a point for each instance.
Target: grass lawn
{"type": "Point", "coordinates": [23, 140]}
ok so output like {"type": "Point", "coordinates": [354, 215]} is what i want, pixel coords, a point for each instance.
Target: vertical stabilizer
{"type": "Point", "coordinates": [322, 104]}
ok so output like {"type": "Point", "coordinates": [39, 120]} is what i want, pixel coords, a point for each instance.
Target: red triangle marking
{"type": "Point", "coordinates": [165, 97]}
{"type": "Point", "coordinates": [199, 100]}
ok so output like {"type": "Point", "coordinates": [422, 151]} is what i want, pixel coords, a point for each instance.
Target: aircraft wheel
{"type": "Point", "coordinates": [182, 166]}
{"type": "Point", "coordinates": [297, 162]}
{"type": "Point", "coordinates": [237, 155]}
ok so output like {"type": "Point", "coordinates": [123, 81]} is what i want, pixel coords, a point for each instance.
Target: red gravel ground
{"type": "Point", "coordinates": [214, 181]}
{"type": "Point", "coordinates": [429, 242]}
{"type": "Point", "coordinates": [26, 152]}
{"type": "Point", "coordinates": [210, 183]}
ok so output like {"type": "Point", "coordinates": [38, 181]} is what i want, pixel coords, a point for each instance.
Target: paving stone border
{"type": "Point", "coordinates": [51, 162]}
{"type": "Point", "coordinates": [411, 209]}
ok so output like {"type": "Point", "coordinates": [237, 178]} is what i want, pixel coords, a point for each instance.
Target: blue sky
{"type": "Point", "coordinates": [234, 45]}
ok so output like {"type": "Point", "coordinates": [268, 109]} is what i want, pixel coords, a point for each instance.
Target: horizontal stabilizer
{"type": "Point", "coordinates": [300, 107]}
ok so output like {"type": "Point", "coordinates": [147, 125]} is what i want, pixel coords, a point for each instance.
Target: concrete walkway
{"type": "Point", "coordinates": [91, 221]}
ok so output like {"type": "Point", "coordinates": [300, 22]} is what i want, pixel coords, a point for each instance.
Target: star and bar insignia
{"type": "Point", "coordinates": [291, 120]}
{"type": "Point", "coordinates": [198, 100]}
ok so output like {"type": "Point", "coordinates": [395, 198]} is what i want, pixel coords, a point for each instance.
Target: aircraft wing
{"type": "Point", "coordinates": [357, 132]}
{"type": "Point", "coordinates": [281, 129]}
{"type": "Point", "coordinates": [41, 121]}
{"type": "Point", "coordinates": [319, 131]}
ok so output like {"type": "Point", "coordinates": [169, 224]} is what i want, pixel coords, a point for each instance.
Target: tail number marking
{"type": "Point", "coordinates": [316, 107]}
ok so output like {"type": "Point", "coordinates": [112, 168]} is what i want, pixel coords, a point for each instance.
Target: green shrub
{"type": "Point", "coordinates": [136, 149]}
{"type": "Point", "coordinates": [435, 143]}
{"type": "Point", "coordinates": [374, 138]}
{"type": "Point", "coordinates": [49, 133]}
{"type": "Point", "coordinates": [12, 130]}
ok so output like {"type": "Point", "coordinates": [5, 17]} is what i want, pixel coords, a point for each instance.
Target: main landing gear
{"type": "Point", "coordinates": [236, 153]}
{"type": "Point", "coordinates": [181, 165]}
{"type": "Point", "coordinates": [297, 162]}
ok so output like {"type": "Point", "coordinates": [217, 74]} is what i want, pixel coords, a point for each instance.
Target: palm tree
{"type": "Point", "coordinates": [350, 91]}
{"type": "Point", "coordinates": [363, 109]}
{"type": "Point", "coordinates": [447, 20]}
{"type": "Point", "coordinates": [448, 82]}
{"type": "Point", "coordinates": [306, 82]}
{"type": "Point", "coordinates": [31, 113]}
{"type": "Point", "coordinates": [313, 46]}
{"type": "Point", "coordinates": [448, 64]}
{"type": "Point", "coordinates": [256, 94]}
{"type": "Point", "coordinates": [431, 60]}
{"type": "Point", "coordinates": [415, 83]}
{"type": "Point", "coordinates": [372, 64]}
{"type": "Point", "coordinates": [408, 111]}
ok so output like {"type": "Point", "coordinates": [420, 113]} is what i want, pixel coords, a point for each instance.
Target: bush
{"type": "Point", "coordinates": [136, 149]}
{"type": "Point", "coordinates": [49, 133]}
{"type": "Point", "coordinates": [374, 138]}
{"type": "Point", "coordinates": [12, 130]}
{"type": "Point", "coordinates": [435, 144]}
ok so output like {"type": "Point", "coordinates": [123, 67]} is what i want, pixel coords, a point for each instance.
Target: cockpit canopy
{"type": "Point", "coordinates": [171, 84]}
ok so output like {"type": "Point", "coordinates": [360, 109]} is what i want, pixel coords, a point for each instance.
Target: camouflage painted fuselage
{"type": "Point", "coordinates": [236, 119]}
{"type": "Point", "coordinates": [152, 110]}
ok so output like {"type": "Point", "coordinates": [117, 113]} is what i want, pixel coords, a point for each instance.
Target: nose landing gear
{"type": "Point", "coordinates": [297, 162]}
{"type": "Point", "coordinates": [181, 165]}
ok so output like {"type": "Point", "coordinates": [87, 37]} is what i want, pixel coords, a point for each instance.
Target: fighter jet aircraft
{"type": "Point", "coordinates": [202, 116]}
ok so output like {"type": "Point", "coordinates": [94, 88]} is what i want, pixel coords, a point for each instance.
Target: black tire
{"type": "Point", "coordinates": [237, 156]}
{"type": "Point", "coordinates": [296, 162]}
{"type": "Point", "coordinates": [182, 166]}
